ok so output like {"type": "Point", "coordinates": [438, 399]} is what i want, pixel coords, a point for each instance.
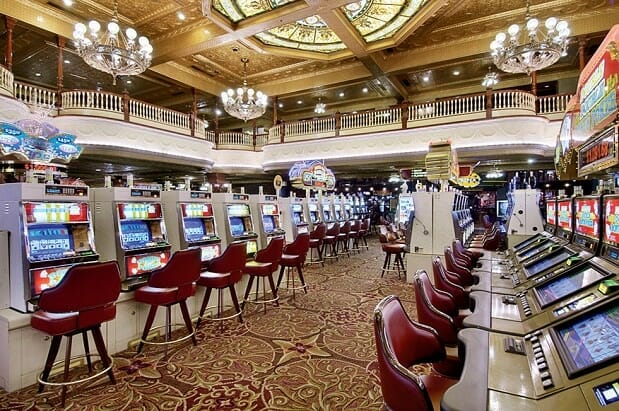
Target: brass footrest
{"type": "Point", "coordinates": [225, 308]}
{"type": "Point", "coordinates": [183, 338]}
{"type": "Point", "coordinates": [262, 301]}
{"type": "Point", "coordinates": [81, 380]}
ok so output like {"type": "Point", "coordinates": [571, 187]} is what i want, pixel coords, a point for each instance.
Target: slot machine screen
{"type": "Point", "coordinates": [210, 251]}
{"type": "Point", "coordinates": [238, 210]}
{"type": "Point", "coordinates": [534, 250]}
{"type": "Point", "coordinates": [144, 263]}
{"type": "Point", "coordinates": [589, 341]}
{"type": "Point", "coordinates": [564, 285]}
{"type": "Point", "coordinates": [611, 221]}
{"type": "Point", "coordinates": [527, 242]}
{"type": "Point", "coordinates": [587, 219]}
{"type": "Point", "coordinates": [297, 218]}
{"type": "Point", "coordinates": [501, 209]}
{"type": "Point", "coordinates": [49, 241]}
{"type": "Point", "coordinates": [237, 228]}
{"type": "Point", "coordinates": [545, 263]}
{"type": "Point", "coordinates": [564, 215]}
{"type": "Point", "coordinates": [268, 223]}
{"type": "Point", "coordinates": [48, 277]}
{"type": "Point", "coordinates": [194, 229]}
{"type": "Point", "coordinates": [269, 209]}
{"type": "Point", "coordinates": [551, 213]}
{"type": "Point", "coordinates": [134, 234]}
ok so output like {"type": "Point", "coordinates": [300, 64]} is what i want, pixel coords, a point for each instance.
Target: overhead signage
{"type": "Point", "coordinates": [599, 153]}
{"type": "Point", "coordinates": [311, 174]}
{"type": "Point", "coordinates": [59, 147]}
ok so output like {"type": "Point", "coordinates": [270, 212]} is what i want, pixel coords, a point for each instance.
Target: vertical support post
{"type": "Point", "coordinates": [404, 114]}
{"type": "Point", "coordinates": [60, 41]}
{"type": "Point", "coordinates": [8, 57]}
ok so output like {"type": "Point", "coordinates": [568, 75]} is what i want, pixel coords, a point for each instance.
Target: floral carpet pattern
{"type": "Point", "coordinates": [314, 352]}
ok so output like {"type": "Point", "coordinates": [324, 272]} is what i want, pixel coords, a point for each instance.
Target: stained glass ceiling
{"type": "Point", "coordinates": [373, 20]}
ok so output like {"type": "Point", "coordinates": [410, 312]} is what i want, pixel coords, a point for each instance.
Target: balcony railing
{"type": "Point", "coordinates": [491, 104]}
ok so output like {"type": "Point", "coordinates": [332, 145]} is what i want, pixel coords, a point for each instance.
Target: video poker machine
{"type": "Point", "coordinates": [190, 222]}
{"type": "Point", "coordinates": [327, 211]}
{"type": "Point", "coordinates": [347, 207]}
{"type": "Point", "coordinates": [338, 210]}
{"type": "Point", "coordinates": [50, 230]}
{"type": "Point", "coordinates": [233, 209]}
{"type": "Point", "coordinates": [294, 221]}
{"type": "Point", "coordinates": [267, 207]}
{"type": "Point", "coordinates": [130, 228]}
{"type": "Point", "coordinates": [313, 211]}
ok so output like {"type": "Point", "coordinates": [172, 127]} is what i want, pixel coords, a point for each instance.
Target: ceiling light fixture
{"type": "Point", "coordinates": [245, 104]}
{"type": "Point", "coordinates": [111, 51]}
{"type": "Point", "coordinates": [539, 49]}
{"type": "Point", "coordinates": [320, 108]}
{"type": "Point", "coordinates": [491, 79]}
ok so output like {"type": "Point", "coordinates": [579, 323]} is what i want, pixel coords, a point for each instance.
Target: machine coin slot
{"type": "Point", "coordinates": [508, 299]}
{"type": "Point", "coordinates": [607, 393]}
{"type": "Point", "coordinates": [513, 345]}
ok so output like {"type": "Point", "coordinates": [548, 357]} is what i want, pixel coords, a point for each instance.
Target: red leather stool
{"type": "Point", "coordinates": [81, 302]}
{"type": "Point", "coordinates": [353, 234]}
{"type": "Point", "coordinates": [294, 256]}
{"type": "Point", "coordinates": [392, 249]}
{"type": "Point", "coordinates": [167, 286]}
{"type": "Point", "coordinates": [224, 272]}
{"type": "Point", "coordinates": [317, 236]}
{"type": "Point", "coordinates": [263, 266]}
{"type": "Point", "coordinates": [343, 239]}
{"type": "Point", "coordinates": [329, 242]}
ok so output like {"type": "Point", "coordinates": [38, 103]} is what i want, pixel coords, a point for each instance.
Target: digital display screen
{"type": "Point", "coordinates": [527, 242]}
{"type": "Point", "coordinates": [406, 206]}
{"type": "Point", "coordinates": [194, 229]}
{"type": "Point", "coordinates": [564, 215]}
{"type": "Point", "coordinates": [611, 220]}
{"type": "Point", "coordinates": [337, 208]}
{"type": "Point", "coordinates": [269, 209]}
{"type": "Point", "coordinates": [48, 277]}
{"type": "Point", "coordinates": [251, 247]}
{"type": "Point", "coordinates": [210, 251]}
{"type": "Point", "coordinates": [139, 211]}
{"type": "Point", "coordinates": [238, 210]}
{"type": "Point", "coordinates": [134, 234]}
{"type": "Point", "coordinates": [551, 212]}
{"type": "Point", "coordinates": [312, 207]}
{"type": "Point", "coordinates": [49, 241]}
{"type": "Point", "coordinates": [534, 250]}
{"type": "Point", "coordinates": [268, 223]}
{"type": "Point", "coordinates": [144, 263]}
{"type": "Point", "coordinates": [314, 216]}
{"type": "Point", "coordinates": [565, 285]}
{"type": "Point", "coordinates": [196, 210]}
{"type": "Point", "coordinates": [588, 341]}
{"type": "Point", "coordinates": [237, 228]}
{"type": "Point", "coordinates": [587, 211]}
{"type": "Point", "coordinates": [297, 218]}
{"type": "Point", "coordinates": [501, 208]}
{"type": "Point", "coordinates": [545, 263]}
{"type": "Point", "coordinates": [46, 212]}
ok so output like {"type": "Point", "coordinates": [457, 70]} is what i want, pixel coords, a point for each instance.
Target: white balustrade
{"type": "Point", "coordinates": [513, 99]}
{"type": "Point", "coordinates": [553, 104]}
{"type": "Point", "coordinates": [236, 138]}
{"type": "Point", "coordinates": [92, 100]}
{"type": "Point", "coordinates": [261, 140]}
{"type": "Point", "coordinates": [372, 118]}
{"type": "Point", "coordinates": [158, 114]}
{"type": "Point", "coordinates": [34, 96]}
{"type": "Point", "coordinates": [6, 79]}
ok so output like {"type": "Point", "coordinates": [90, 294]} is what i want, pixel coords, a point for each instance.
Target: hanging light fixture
{"type": "Point", "coordinates": [491, 79]}
{"type": "Point", "coordinates": [246, 103]}
{"type": "Point", "coordinates": [321, 107]}
{"type": "Point", "coordinates": [112, 51]}
{"type": "Point", "coordinates": [538, 50]}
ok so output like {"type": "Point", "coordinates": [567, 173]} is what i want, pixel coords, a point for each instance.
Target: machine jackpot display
{"type": "Point", "coordinates": [550, 225]}
{"type": "Point", "coordinates": [313, 211]}
{"type": "Point", "coordinates": [571, 365]}
{"type": "Point", "coordinates": [267, 207]}
{"type": "Point", "coordinates": [50, 230]}
{"type": "Point", "coordinates": [234, 211]}
{"type": "Point", "coordinates": [130, 228]}
{"type": "Point", "coordinates": [190, 222]}
{"type": "Point", "coordinates": [295, 222]}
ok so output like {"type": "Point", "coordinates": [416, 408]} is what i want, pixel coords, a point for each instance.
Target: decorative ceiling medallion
{"type": "Point", "coordinates": [310, 34]}
{"type": "Point", "coordinates": [239, 10]}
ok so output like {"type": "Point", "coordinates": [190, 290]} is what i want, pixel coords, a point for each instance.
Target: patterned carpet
{"type": "Point", "coordinates": [314, 352]}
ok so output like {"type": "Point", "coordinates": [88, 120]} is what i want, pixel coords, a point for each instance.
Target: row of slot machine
{"type": "Point", "coordinates": [544, 332]}
{"type": "Point", "coordinates": [52, 227]}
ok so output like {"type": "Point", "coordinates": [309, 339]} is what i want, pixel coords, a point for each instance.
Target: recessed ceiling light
{"type": "Point", "coordinates": [37, 74]}
{"type": "Point", "coordinates": [426, 78]}
{"type": "Point", "coordinates": [299, 101]}
{"type": "Point", "coordinates": [217, 112]}
{"type": "Point", "coordinates": [97, 170]}
{"type": "Point", "coordinates": [180, 15]}
{"type": "Point", "coordinates": [68, 2]}
{"type": "Point", "coordinates": [341, 94]}
{"type": "Point", "coordinates": [456, 73]}
{"type": "Point", "coordinates": [364, 89]}
{"type": "Point", "coordinates": [531, 160]}
{"type": "Point", "coordinates": [129, 81]}
{"type": "Point", "coordinates": [67, 61]}
{"type": "Point", "coordinates": [280, 105]}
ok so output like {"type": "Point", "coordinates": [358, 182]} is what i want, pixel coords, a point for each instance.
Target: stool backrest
{"type": "Point", "coordinates": [319, 231]}
{"type": "Point", "coordinates": [182, 271]}
{"type": "Point", "coordinates": [272, 253]}
{"type": "Point", "coordinates": [232, 260]}
{"type": "Point", "coordinates": [334, 230]}
{"type": "Point", "coordinates": [300, 246]}
{"type": "Point", "coordinates": [428, 314]}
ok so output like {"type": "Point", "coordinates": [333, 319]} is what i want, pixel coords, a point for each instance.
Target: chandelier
{"type": "Point", "coordinates": [320, 108]}
{"type": "Point", "coordinates": [491, 79]}
{"type": "Point", "coordinates": [532, 51]}
{"type": "Point", "coordinates": [112, 51]}
{"type": "Point", "coordinates": [245, 103]}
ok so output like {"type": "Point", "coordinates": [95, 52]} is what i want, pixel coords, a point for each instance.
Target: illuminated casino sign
{"type": "Point", "coordinates": [49, 145]}
{"type": "Point", "coordinates": [311, 174]}
{"type": "Point", "coordinates": [599, 153]}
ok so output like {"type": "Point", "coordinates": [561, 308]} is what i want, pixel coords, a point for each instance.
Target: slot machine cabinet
{"type": "Point", "coordinates": [190, 222]}
{"type": "Point", "coordinates": [338, 210]}
{"type": "Point", "coordinates": [233, 212]}
{"type": "Point", "coordinates": [50, 230]}
{"type": "Point", "coordinates": [525, 218]}
{"type": "Point", "coordinates": [130, 226]}
{"type": "Point", "coordinates": [405, 206]}
{"type": "Point", "coordinates": [565, 219]}
{"type": "Point", "coordinates": [326, 210]}
{"type": "Point", "coordinates": [550, 225]}
{"type": "Point", "coordinates": [313, 211]}
{"type": "Point", "coordinates": [293, 217]}
{"type": "Point", "coordinates": [267, 208]}
{"type": "Point", "coordinates": [347, 207]}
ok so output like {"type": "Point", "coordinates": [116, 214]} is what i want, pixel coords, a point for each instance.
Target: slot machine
{"type": "Point", "coordinates": [313, 211]}
{"type": "Point", "coordinates": [50, 230]}
{"type": "Point", "coordinates": [363, 208]}
{"type": "Point", "coordinates": [267, 207]}
{"type": "Point", "coordinates": [550, 224]}
{"type": "Point", "coordinates": [130, 228]}
{"type": "Point", "coordinates": [405, 206]}
{"type": "Point", "coordinates": [327, 211]}
{"type": "Point", "coordinates": [347, 207]}
{"type": "Point", "coordinates": [295, 223]}
{"type": "Point", "coordinates": [338, 212]}
{"type": "Point", "coordinates": [356, 208]}
{"type": "Point", "coordinates": [190, 222]}
{"type": "Point", "coordinates": [234, 211]}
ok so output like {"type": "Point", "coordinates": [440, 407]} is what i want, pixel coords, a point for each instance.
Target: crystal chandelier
{"type": "Point", "coordinates": [491, 79]}
{"type": "Point", "coordinates": [246, 103]}
{"type": "Point", "coordinates": [538, 50]}
{"type": "Point", "coordinates": [320, 108]}
{"type": "Point", "coordinates": [112, 51]}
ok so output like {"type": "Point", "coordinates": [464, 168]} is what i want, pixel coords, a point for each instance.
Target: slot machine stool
{"type": "Point", "coordinates": [81, 302]}
{"type": "Point", "coordinates": [392, 249]}
{"type": "Point", "coordinates": [263, 266]}
{"type": "Point", "coordinates": [317, 236]}
{"type": "Point", "coordinates": [172, 284]}
{"type": "Point", "coordinates": [224, 272]}
{"type": "Point", "coordinates": [294, 257]}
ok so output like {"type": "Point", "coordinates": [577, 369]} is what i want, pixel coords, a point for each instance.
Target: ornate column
{"type": "Point", "coordinates": [8, 58]}
{"type": "Point", "coordinates": [60, 42]}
